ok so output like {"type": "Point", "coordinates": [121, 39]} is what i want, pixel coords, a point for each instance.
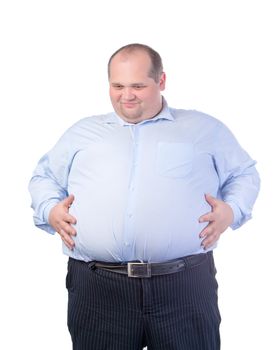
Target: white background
{"type": "Point", "coordinates": [218, 59]}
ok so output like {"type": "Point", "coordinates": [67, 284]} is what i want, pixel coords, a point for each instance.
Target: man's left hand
{"type": "Point", "coordinates": [220, 217]}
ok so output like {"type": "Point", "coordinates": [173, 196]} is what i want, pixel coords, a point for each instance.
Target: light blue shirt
{"type": "Point", "coordinates": [139, 188]}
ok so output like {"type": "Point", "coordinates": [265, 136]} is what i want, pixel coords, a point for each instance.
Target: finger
{"type": "Point", "coordinates": [207, 217]}
{"type": "Point", "coordinates": [210, 240]}
{"type": "Point", "coordinates": [67, 228]}
{"type": "Point", "coordinates": [211, 200]}
{"type": "Point", "coordinates": [68, 200]}
{"type": "Point", "coordinates": [68, 245]}
{"type": "Point", "coordinates": [70, 219]}
{"type": "Point", "coordinates": [68, 241]}
{"type": "Point", "coordinates": [208, 230]}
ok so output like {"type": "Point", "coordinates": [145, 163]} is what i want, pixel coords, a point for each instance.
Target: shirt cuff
{"type": "Point", "coordinates": [237, 215]}
{"type": "Point", "coordinates": [47, 209]}
{"type": "Point", "coordinates": [44, 225]}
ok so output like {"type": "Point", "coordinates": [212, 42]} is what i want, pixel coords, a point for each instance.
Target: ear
{"type": "Point", "coordinates": [162, 81]}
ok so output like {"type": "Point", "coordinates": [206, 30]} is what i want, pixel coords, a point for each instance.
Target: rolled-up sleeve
{"type": "Point", "coordinates": [48, 185]}
{"type": "Point", "coordinates": [239, 179]}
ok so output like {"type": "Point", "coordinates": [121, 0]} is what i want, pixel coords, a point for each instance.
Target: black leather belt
{"type": "Point", "coordinates": [144, 270]}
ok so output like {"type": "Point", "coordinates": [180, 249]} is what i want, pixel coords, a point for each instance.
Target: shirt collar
{"type": "Point", "coordinates": [165, 113]}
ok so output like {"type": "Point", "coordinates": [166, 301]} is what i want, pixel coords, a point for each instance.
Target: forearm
{"type": "Point", "coordinates": [45, 194]}
{"type": "Point", "coordinates": [240, 192]}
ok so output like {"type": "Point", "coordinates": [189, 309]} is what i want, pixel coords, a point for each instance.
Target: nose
{"type": "Point", "coordinates": [128, 94]}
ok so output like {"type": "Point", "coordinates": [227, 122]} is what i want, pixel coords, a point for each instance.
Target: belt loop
{"type": "Point", "coordinates": [92, 265]}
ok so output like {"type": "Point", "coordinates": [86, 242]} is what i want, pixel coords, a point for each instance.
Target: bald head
{"type": "Point", "coordinates": [155, 68]}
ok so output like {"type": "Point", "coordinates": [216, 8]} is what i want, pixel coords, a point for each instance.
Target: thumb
{"type": "Point", "coordinates": [68, 200]}
{"type": "Point", "coordinates": [211, 200]}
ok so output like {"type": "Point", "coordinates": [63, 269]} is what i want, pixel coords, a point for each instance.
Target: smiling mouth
{"type": "Point", "coordinates": [129, 104]}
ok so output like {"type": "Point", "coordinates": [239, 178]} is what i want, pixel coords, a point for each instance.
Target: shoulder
{"type": "Point", "coordinates": [183, 114]}
{"type": "Point", "coordinates": [94, 119]}
{"type": "Point", "coordinates": [193, 117]}
{"type": "Point", "coordinates": [91, 122]}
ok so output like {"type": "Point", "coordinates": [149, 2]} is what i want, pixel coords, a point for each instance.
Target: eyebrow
{"type": "Point", "coordinates": [134, 84]}
{"type": "Point", "coordinates": [138, 84]}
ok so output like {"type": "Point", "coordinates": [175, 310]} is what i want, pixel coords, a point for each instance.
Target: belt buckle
{"type": "Point", "coordinates": [139, 270]}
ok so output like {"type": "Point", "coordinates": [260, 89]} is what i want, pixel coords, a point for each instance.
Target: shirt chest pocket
{"type": "Point", "coordinates": [174, 159]}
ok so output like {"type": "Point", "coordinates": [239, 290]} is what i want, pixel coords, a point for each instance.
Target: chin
{"type": "Point", "coordinates": [131, 115]}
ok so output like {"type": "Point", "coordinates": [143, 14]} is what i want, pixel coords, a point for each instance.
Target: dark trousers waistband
{"type": "Point", "coordinates": [143, 270]}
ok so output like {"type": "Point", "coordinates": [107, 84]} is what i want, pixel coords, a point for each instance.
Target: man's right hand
{"type": "Point", "coordinates": [60, 219]}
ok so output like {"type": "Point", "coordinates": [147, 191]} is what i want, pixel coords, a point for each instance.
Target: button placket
{"type": "Point", "coordinates": [129, 233]}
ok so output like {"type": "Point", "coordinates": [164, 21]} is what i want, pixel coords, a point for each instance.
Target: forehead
{"type": "Point", "coordinates": [130, 64]}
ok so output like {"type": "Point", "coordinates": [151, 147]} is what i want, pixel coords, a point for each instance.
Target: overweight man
{"type": "Point", "coordinates": [140, 197]}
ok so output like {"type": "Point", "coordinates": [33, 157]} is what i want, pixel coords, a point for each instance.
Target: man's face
{"type": "Point", "coordinates": [134, 95]}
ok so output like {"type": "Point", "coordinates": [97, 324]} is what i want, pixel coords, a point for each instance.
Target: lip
{"type": "Point", "coordinates": [129, 104]}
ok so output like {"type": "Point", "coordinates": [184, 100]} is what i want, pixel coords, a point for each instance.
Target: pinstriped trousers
{"type": "Point", "coordinates": [110, 311]}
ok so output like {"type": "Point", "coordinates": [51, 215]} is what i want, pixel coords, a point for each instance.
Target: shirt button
{"type": "Point", "coordinates": [130, 215]}
{"type": "Point", "coordinates": [127, 244]}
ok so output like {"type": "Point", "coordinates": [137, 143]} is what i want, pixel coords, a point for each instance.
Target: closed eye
{"type": "Point", "coordinates": [117, 86]}
{"type": "Point", "coordinates": [138, 87]}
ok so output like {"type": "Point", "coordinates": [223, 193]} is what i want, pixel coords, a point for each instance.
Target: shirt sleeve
{"type": "Point", "coordinates": [48, 185]}
{"type": "Point", "coordinates": [239, 179]}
